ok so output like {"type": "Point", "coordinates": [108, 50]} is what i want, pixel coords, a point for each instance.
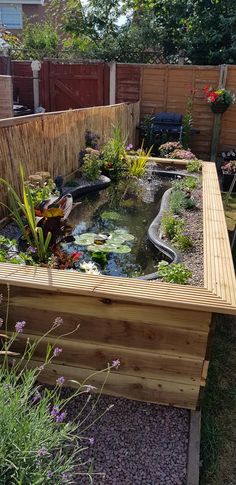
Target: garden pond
{"type": "Point", "coordinates": [111, 227]}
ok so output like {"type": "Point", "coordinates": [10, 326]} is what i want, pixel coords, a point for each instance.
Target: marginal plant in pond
{"type": "Point", "coordinates": [39, 444]}
{"type": "Point", "coordinates": [41, 187]}
{"type": "Point", "coordinates": [114, 155]}
{"type": "Point", "coordinates": [136, 164]}
{"type": "Point", "coordinates": [174, 272]}
{"type": "Point", "coordinates": [194, 166]}
{"type": "Point", "coordinates": [91, 168]}
{"type": "Point", "coordinates": [24, 213]}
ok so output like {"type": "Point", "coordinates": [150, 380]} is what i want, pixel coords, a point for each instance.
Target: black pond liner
{"type": "Point", "coordinates": [154, 229]}
{"type": "Point", "coordinates": [86, 187]}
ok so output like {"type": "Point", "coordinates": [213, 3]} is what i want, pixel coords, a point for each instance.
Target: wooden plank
{"type": "Point", "coordinates": [135, 362]}
{"type": "Point", "coordinates": [135, 335]}
{"type": "Point", "coordinates": [136, 388]}
{"type": "Point", "coordinates": [193, 467]}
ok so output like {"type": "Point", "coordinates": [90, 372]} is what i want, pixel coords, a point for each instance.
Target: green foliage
{"type": "Point", "coordinates": [177, 201]}
{"type": "Point", "coordinates": [38, 443]}
{"type": "Point", "coordinates": [38, 40]}
{"type": "Point", "coordinates": [136, 164]}
{"type": "Point", "coordinates": [171, 225]}
{"type": "Point", "coordinates": [187, 123]}
{"type": "Point", "coordinates": [42, 193]}
{"type": "Point", "coordinates": [25, 211]}
{"type": "Point", "coordinates": [194, 166]}
{"type": "Point", "coordinates": [186, 183]}
{"type": "Point", "coordinates": [182, 241]}
{"type": "Point", "coordinates": [9, 253]}
{"type": "Point", "coordinates": [174, 272]}
{"type": "Point", "coordinates": [190, 203]}
{"type": "Point", "coordinates": [114, 155]}
{"type": "Point", "coordinates": [91, 168]}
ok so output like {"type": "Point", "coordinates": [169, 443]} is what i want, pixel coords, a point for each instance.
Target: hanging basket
{"type": "Point", "coordinates": [219, 107]}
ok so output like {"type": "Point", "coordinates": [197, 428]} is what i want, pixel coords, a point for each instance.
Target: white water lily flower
{"type": "Point", "coordinates": [90, 268]}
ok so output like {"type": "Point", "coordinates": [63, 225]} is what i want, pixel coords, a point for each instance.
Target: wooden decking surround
{"type": "Point", "coordinates": [159, 331]}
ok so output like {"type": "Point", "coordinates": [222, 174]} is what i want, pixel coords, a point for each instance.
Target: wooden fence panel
{"type": "Point", "coordinates": [52, 141]}
{"type": "Point", "coordinates": [228, 123]}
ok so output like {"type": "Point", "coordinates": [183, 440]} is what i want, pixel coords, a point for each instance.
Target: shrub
{"type": "Point", "coordinates": [167, 148]}
{"type": "Point", "coordinates": [91, 168]}
{"type": "Point", "coordinates": [183, 154]}
{"type": "Point", "coordinates": [190, 183]}
{"type": "Point", "coordinates": [174, 272]}
{"type": "Point", "coordinates": [190, 203]}
{"type": "Point", "coordinates": [38, 444]}
{"type": "Point", "coordinates": [194, 166]}
{"type": "Point", "coordinates": [182, 241]}
{"type": "Point", "coordinates": [171, 225]}
{"type": "Point", "coordinates": [177, 201]}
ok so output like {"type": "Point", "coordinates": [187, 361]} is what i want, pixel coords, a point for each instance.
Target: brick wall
{"type": "Point", "coordinates": [6, 98]}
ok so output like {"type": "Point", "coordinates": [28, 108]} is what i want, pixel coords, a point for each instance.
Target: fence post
{"type": "Point", "coordinates": [36, 66]}
{"type": "Point", "coordinates": [218, 116]}
{"type": "Point", "coordinates": [112, 95]}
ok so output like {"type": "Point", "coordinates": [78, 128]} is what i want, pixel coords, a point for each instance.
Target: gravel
{"type": "Point", "coordinates": [137, 443]}
{"type": "Point", "coordinates": [193, 258]}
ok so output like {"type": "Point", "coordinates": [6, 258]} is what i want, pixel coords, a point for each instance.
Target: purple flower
{"type": "Point", "coordinates": [37, 396]}
{"type": "Point", "coordinates": [60, 418]}
{"type": "Point", "coordinates": [19, 326]}
{"type": "Point", "coordinates": [58, 321]}
{"type": "Point", "coordinates": [129, 147]}
{"type": "Point", "coordinates": [60, 381]}
{"type": "Point", "coordinates": [49, 474]}
{"type": "Point", "coordinates": [31, 249]}
{"type": "Point", "coordinates": [116, 363]}
{"type": "Point", "coordinates": [89, 388]}
{"type": "Point", "coordinates": [55, 411]}
{"type": "Point", "coordinates": [43, 451]}
{"type": "Point", "coordinates": [91, 441]}
{"type": "Point", "coordinates": [57, 351]}
{"type": "Point", "coordinates": [1, 322]}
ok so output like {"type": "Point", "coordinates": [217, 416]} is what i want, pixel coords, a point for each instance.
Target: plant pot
{"type": "Point", "coordinates": [227, 179]}
{"type": "Point", "coordinates": [219, 107]}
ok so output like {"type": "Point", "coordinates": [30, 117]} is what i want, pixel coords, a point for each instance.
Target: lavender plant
{"type": "Point", "coordinates": [38, 444]}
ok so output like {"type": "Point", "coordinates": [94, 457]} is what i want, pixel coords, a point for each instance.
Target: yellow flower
{"type": "Point", "coordinates": [219, 91]}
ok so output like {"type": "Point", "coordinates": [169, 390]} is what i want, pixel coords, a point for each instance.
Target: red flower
{"type": "Point", "coordinates": [76, 255]}
{"type": "Point", "coordinates": [213, 97]}
{"type": "Point", "coordinates": [206, 90]}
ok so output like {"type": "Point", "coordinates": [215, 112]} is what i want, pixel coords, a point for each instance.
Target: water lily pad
{"type": "Point", "coordinates": [108, 248]}
{"type": "Point", "coordinates": [111, 215]}
{"type": "Point", "coordinates": [122, 235]}
{"type": "Point", "coordinates": [85, 239]}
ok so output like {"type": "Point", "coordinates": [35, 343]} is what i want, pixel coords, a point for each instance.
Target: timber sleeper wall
{"type": "Point", "coordinates": [159, 331]}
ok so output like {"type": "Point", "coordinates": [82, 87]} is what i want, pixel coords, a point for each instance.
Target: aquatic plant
{"type": "Point", "coordinates": [194, 166]}
{"type": "Point", "coordinates": [111, 243]}
{"type": "Point", "coordinates": [174, 272]}
{"type": "Point", "coordinates": [89, 268]}
{"type": "Point", "coordinates": [136, 164]}
{"type": "Point", "coordinates": [24, 213]}
{"type": "Point", "coordinates": [39, 443]}
{"type": "Point", "coordinates": [111, 215]}
{"type": "Point", "coordinates": [114, 155]}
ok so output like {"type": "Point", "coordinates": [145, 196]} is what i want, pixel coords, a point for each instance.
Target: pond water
{"type": "Point", "coordinates": [121, 213]}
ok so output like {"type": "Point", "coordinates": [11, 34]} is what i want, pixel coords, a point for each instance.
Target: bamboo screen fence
{"type": "Point", "coordinates": [52, 141]}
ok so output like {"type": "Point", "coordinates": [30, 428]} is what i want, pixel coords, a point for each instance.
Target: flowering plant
{"type": "Point", "coordinates": [229, 167]}
{"type": "Point", "coordinates": [218, 97]}
{"type": "Point", "coordinates": [38, 443]}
